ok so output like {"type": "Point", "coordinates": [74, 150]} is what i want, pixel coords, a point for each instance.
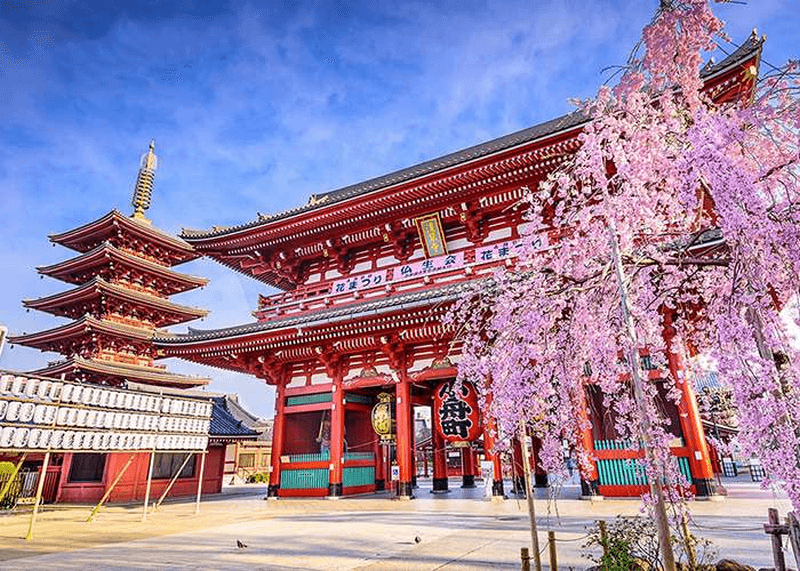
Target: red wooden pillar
{"type": "Point", "coordinates": [439, 461]}
{"type": "Point", "coordinates": [404, 437]}
{"type": "Point", "coordinates": [518, 472]}
{"type": "Point", "coordinates": [337, 438]}
{"type": "Point", "coordinates": [699, 457]}
{"type": "Point", "coordinates": [494, 457]}
{"type": "Point", "coordinates": [489, 428]}
{"type": "Point", "coordinates": [380, 470]}
{"type": "Point", "coordinates": [468, 461]}
{"type": "Point", "coordinates": [539, 474]}
{"type": "Point", "coordinates": [278, 431]}
{"type": "Point", "coordinates": [590, 477]}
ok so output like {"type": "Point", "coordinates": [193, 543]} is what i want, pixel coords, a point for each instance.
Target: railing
{"type": "Point", "coordinates": [359, 456]}
{"type": "Point", "coordinates": [317, 457]}
{"type": "Point", "coordinates": [616, 445]}
{"type": "Point", "coordinates": [10, 500]}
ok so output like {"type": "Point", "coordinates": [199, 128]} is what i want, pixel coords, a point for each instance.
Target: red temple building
{"type": "Point", "coordinates": [123, 279]}
{"type": "Point", "coordinates": [354, 342]}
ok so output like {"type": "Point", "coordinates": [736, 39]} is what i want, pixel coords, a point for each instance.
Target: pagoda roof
{"type": "Point", "coordinates": [576, 119]}
{"type": "Point", "coordinates": [352, 311]}
{"type": "Point", "coordinates": [86, 237]}
{"type": "Point", "coordinates": [100, 370]}
{"type": "Point", "coordinates": [171, 313]}
{"type": "Point", "coordinates": [44, 340]}
{"type": "Point", "coordinates": [106, 252]}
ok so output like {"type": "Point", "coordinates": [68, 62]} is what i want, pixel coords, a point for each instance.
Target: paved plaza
{"type": "Point", "coordinates": [457, 531]}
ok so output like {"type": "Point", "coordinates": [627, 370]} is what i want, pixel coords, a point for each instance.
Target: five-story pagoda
{"type": "Point", "coordinates": [123, 276]}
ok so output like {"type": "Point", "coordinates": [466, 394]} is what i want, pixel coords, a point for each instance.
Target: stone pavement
{"type": "Point", "coordinates": [458, 531]}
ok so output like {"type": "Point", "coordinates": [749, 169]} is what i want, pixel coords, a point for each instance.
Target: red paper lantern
{"type": "Point", "coordinates": [455, 412]}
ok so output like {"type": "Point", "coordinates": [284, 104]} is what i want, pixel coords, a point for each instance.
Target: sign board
{"type": "Point", "coordinates": [395, 473]}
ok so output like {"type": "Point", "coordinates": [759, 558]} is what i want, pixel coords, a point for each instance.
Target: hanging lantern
{"type": "Point", "coordinates": [455, 412]}
{"type": "Point", "coordinates": [383, 417]}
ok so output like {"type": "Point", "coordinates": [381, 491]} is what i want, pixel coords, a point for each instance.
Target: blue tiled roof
{"type": "Point", "coordinates": [225, 425]}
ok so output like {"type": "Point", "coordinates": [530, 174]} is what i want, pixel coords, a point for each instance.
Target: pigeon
{"type": "Point", "coordinates": [417, 539]}
{"type": "Point", "coordinates": [239, 544]}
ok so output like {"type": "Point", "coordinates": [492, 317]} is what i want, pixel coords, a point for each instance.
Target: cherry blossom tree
{"type": "Point", "coordinates": [677, 226]}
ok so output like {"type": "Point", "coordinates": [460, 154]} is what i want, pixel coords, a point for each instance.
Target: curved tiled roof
{"type": "Point", "coordinates": [430, 296]}
{"type": "Point", "coordinates": [225, 425]}
{"type": "Point", "coordinates": [530, 134]}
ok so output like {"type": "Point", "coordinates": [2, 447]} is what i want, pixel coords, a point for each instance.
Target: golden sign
{"type": "Point", "coordinates": [431, 235]}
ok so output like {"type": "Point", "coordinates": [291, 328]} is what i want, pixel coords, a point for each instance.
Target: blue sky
{"type": "Point", "coordinates": [256, 106]}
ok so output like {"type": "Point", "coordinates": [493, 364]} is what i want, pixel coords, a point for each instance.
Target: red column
{"type": "Point", "coordinates": [518, 471]}
{"type": "Point", "coordinates": [380, 470]}
{"type": "Point", "coordinates": [699, 457]}
{"type": "Point", "coordinates": [491, 454]}
{"type": "Point", "coordinates": [539, 474]}
{"type": "Point", "coordinates": [337, 438]}
{"type": "Point", "coordinates": [489, 427]}
{"type": "Point", "coordinates": [439, 461]}
{"type": "Point", "coordinates": [278, 428]}
{"type": "Point", "coordinates": [468, 461]}
{"type": "Point", "coordinates": [590, 478]}
{"type": "Point", "coordinates": [404, 436]}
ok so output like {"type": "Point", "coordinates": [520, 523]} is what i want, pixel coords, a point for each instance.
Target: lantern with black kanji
{"type": "Point", "coordinates": [455, 412]}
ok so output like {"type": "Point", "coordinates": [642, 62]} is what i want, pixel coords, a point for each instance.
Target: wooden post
{"type": "Point", "coordinates": [687, 540]}
{"type": "Point", "coordinates": [110, 488]}
{"type": "Point", "coordinates": [601, 525]}
{"type": "Point", "coordinates": [551, 540]}
{"type": "Point", "coordinates": [526, 558]}
{"type": "Point", "coordinates": [149, 481]}
{"type": "Point", "coordinates": [794, 536]}
{"type": "Point", "coordinates": [656, 488]}
{"type": "Point", "coordinates": [12, 477]}
{"type": "Point", "coordinates": [526, 463]}
{"type": "Point", "coordinates": [200, 483]}
{"type": "Point", "coordinates": [172, 481]}
{"type": "Point", "coordinates": [39, 488]}
{"type": "Point", "coordinates": [774, 529]}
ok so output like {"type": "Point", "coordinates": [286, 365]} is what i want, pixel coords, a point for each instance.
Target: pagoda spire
{"type": "Point", "coordinates": [144, 183]}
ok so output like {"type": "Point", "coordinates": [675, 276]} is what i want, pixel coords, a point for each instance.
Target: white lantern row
{"type": "Point", "coordinates": [64, 392]}
{"type": "Point", "coordinates": [17, 437]}
{"type": "Point", "coordinates": [51, 415]}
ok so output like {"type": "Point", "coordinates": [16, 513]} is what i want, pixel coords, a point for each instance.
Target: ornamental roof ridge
{"type": "Point", "coordinates": [110, 248]}
{"type": "Point", "coordinates": [317, 201]}
{"type": "Point", "coordinates": [752, 45]}
{"type": "Point", "coordinates": [443, 293]}
{"type": "Point", "coordinates": [99, 283]}
{"type": "Point", "coordinates": [115, 215]}
{"type": "Point", "coordinates": [121, 370]}
{"type": "Point", "coordinates": [85, 321]}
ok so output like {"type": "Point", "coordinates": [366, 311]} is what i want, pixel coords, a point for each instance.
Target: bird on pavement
{"type": "Point", "coordinates": [239, 544]}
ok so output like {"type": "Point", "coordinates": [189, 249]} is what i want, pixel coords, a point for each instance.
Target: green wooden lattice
{"type": "Point", "coordinates": [358, 476]}
{"type": "Point", "coordinates": [304, 479]}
